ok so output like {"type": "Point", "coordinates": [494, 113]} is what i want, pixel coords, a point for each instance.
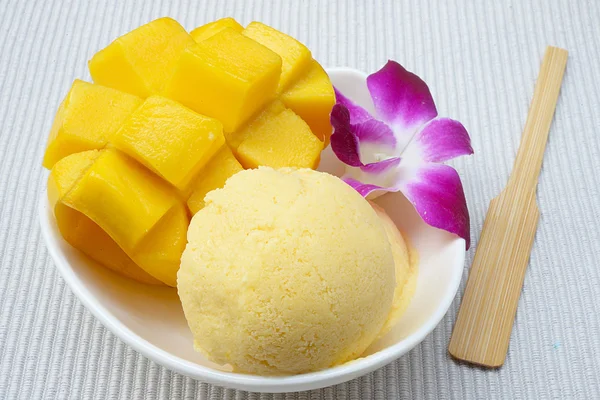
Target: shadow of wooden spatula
{"type": "Point", "coordinates": [485, 319]}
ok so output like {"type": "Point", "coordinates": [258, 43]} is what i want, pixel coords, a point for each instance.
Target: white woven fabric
{"type": "Point", "coordinates": [480, 60]}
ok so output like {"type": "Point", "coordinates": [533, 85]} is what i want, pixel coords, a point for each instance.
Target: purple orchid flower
{"type": "Point", "coordinates": [402, 148]}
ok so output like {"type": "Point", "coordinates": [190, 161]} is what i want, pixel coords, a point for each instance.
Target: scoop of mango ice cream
{"type": "Point", "coordinates": [286, 271]}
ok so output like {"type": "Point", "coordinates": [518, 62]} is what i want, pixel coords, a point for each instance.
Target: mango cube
{"type": "Point", "coordinates": [296, 58]}
{"type": "Point", "coordinates": [159, 252]}
{"type": "Point", "coordinates": [122, 197]}
{"type": "Point", "coordinates": [65, 174]}
{"type": "Point", "coordinates": [81, 232]}
{"type": "Point", "coordinates": [141, 61]}
{"type": "Point", "coordinates": [170, 139]}
{"type": "Point", "coordinates": [234, 139]}
{"type": "Point", "coordinates": [312, 98]}
{"type": "Point", "coordinates": [222, 166]}
{"type": "Point", "coordinates": [86, 119]}
{"type": "Point", "coordinates": [212, 28]}
{"type": "Point", "coordinates": [227, 76]}
{"type": "Point", "coordinates": [283, 140]}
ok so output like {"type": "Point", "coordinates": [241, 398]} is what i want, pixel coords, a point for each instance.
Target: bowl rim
{"type": "Point", "coordinates": [256, 383]}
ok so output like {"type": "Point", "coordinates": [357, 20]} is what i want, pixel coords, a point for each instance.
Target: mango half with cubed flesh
{"type": "Point", "coordinates": [170, 117]}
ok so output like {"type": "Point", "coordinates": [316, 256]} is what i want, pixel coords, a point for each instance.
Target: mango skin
{"type": "Point", "coordinates": [212, 28]}
{"type": "Point", "coordinates": [312, 98]}
{"type": "Point", "coordinates": [220, 168]}
{"type": "Point", "coordinates": [87, 118]}
{"type": "Point", "coordinates": [141, 61]}
{"type": "Point", "coordinates": [170, 139]}
{"type": "Point", "coordinates": [81, 232]}
{"type": "Point", "coordinates": [296, 58]}
{"type": "Point", "coordinates": [227, 76]}
{"type": "Point", "coordinates": [284, 140]}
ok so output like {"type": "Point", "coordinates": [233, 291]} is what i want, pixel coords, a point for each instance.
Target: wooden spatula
{"type": "Point", "coordinates": [482, 330]}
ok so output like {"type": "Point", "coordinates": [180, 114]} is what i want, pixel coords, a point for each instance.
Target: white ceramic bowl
{"type": "Point", "coordinates": [150, 319]}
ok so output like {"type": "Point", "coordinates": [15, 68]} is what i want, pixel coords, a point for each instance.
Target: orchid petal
{"type": "Point", "coordinates": [441, 139]}
{"type": "Point", "coordinates": [357, 113]}
{"type": "Point", "coordinates": [364, 189]}
{"type": "Point", "coordinates": [344, 141]}
{"type": "Point", "coordinates": [437, 194]}
{"type": "Point", "coordinates": [379, 177]}
{"type": "Point", "coordinates": [381, 167]}
{"type": "Point", "coordinates": [401, 99]}
{"type": "Point", "coordinates": [349, 140]}
{"type": "Point", "coordinates": [375, 132]}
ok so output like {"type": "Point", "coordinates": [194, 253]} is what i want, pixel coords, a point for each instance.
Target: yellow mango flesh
{"type": "Point", "coordinates": [141, 61]}
{"type": "Point", "coordinates": [227, 76]}
{"type": "Point", "coordinates": [86, 119]}
{"type": "Point", "coordinates": [65, 174]}
{"type": "Point", "coordinates": [170, 139]}
{"type": "Point", "coordinates": [122, 197]}
{"type": "Point", "coordinates": [212, 28]}
{"type": "Point", "coordinates": [160, 250]}
{"type": "Point", "coordinates": [81, 232]}
{"type": "Point", "coordinates": [86, 236]}
{"type": "Point", "coordinates": [284, 140]}
{"type": "Point", "coordinates": [222, 166]}
{"type": "Point", "coordinates": [296, 58]}
{"type": "Point", "coordinates": [312, 98]}
{"type": "Point", "coordinates": [234, 139]}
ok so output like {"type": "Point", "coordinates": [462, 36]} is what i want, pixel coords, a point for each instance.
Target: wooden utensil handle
{"type": "Point", "coordinates": [535, 134]}
{"type": "Point", "coordinates": [482, 331]}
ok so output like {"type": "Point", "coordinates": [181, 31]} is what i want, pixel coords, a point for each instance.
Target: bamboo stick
{"type": "Point", "coordinates": [482, 331]}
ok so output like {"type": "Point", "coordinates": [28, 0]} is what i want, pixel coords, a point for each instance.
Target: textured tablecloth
{"type": "Point", "coordinates": [480, 59]}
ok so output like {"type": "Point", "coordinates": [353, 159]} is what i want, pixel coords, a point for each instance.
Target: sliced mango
{"type": "Point", "coordinates": [86, 119]}
{"type": "Point", "coordinates": [296, 58]}
{"type": "Point", "coordinates": [159, 252]}
{"type": "Point", "coordinates": [212, 28]}
{"type": "Point", "coordinates": [122, 197]}
{"type": "Point", "coordinates": [227, 76]}
{"type": "Point", "coordinates": [222, 166]}
{"type": "Point", "coordinates": [81, 232]}
{"type": "Point", "coordinates": [312, 98]}
{"type": "Point", "coordinates": [170, 139]}
{"type": "Point", "coordinates": [141, 61]}
{"type": "Point", "coordinates": [283, 140]}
